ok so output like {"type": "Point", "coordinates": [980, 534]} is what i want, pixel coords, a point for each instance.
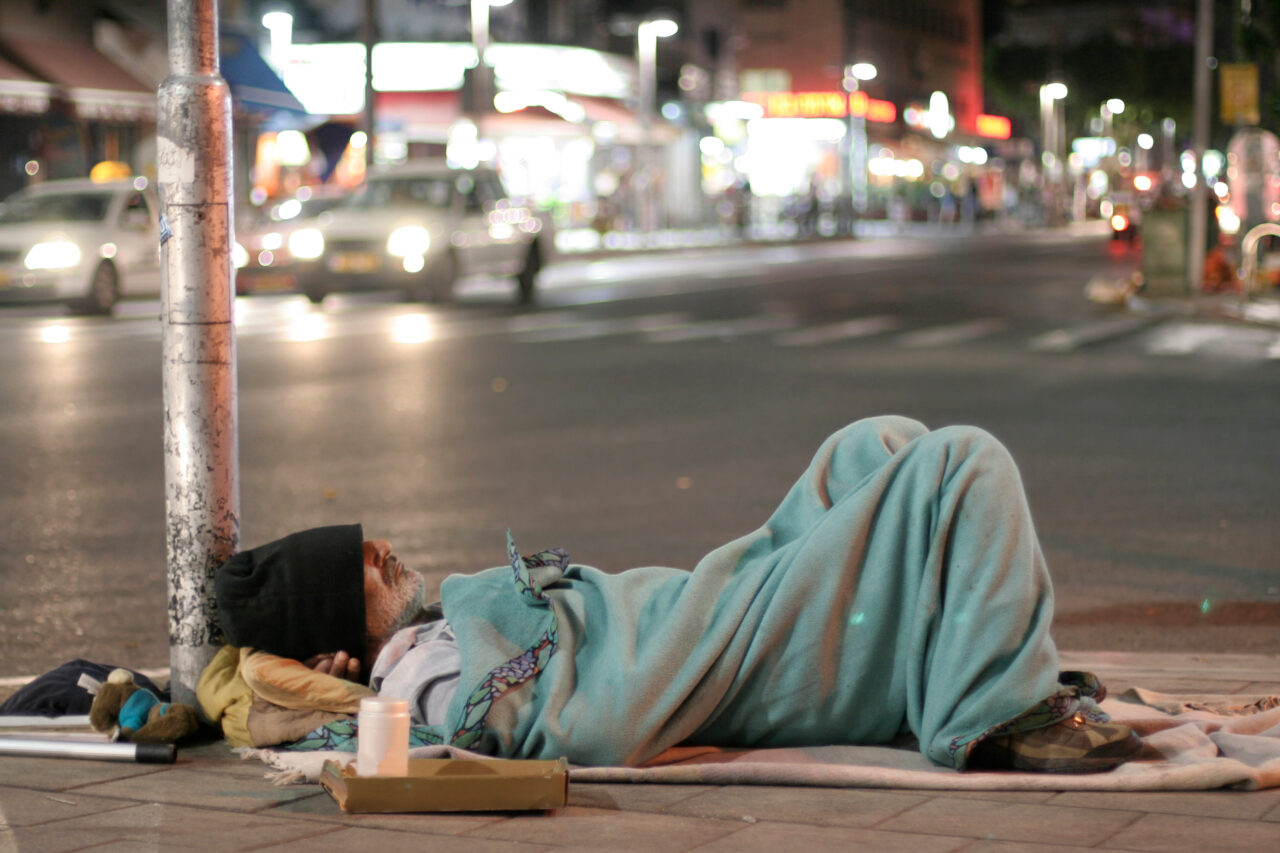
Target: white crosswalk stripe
{"type": "Point", "coordinates": [294, 320]}
{"type": "Point", "coordinates": [1075, 337]}
{"type": "Point", "coordinates": [587, 329]}
{"type": "Point", "coordinates": [1214, 339]}
{"type": "Point", "coordinates": [951, 334]}
{"type": "Point", "coordinates": [723, 329]}
{"type": "Point", "coordinates": [859, 327]}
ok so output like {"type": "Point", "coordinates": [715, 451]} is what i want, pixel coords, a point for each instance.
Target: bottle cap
{"type": "Point", "coordinates": [384, 705]}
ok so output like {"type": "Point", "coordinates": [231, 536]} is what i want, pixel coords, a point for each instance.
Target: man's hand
{"type": "Point", "coordinates": [337, 664]}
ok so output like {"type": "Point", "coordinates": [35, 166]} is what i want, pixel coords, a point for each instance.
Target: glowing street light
{"type": "Point", "coordinates": [854, 75]}
{"type": "Point", "coordinates": [647, 35]}
{"type": "Point", "coordinates": [861, 71]}
{"type": "Point", "coordinates": [1111, 108]}
{"type": "Point", "coordinates": [482, 83]}
{"type": "Point", "coordinates": [280, 25]}
{"type": "Point", "coordinates": [1054, 144]}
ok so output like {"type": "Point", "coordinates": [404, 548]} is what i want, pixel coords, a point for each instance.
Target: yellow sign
{"type": "Point", "coordinates": [1238, 92]}
{"type": "Point", "coordinates": [110, 170]}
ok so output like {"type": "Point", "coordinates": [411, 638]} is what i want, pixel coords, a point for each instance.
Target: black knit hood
{"type": "Point", "coordinates": [298, 596]}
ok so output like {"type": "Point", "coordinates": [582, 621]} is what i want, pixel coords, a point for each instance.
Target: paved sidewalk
{"type": "Point", "coordinates": [210, 800]}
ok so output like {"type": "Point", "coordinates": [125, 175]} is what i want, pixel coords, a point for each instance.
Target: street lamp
{"type": "Point", "coordinates": [856, 169]}
{"type": "Point", "coordinates": [280, 25]}
{"type": "Point", "coordinates": [1053, 138]}
{"type": "Point", "coordinates": [647, 35]}
{"type": "Point", "coordinates": [1110, 109]}
{"type": "Point", "coordinates": [482, 82]}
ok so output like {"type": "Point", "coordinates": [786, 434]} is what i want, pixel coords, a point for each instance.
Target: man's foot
{"type": "Point", "coordinates": [1072, 745]}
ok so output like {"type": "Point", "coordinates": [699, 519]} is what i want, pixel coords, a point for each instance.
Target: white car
{"type": "Point", "coordinates": [80, 242]}
{"type": "Point", "coordinates": [261, 252]}
{"type": "Point", "coordinates": [417, 228]}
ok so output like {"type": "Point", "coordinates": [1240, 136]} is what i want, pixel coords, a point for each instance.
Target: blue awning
{"type": "Point", "coordinates": [254, 85]}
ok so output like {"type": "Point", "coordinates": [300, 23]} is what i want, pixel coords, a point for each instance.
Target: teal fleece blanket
{"type": "Point", "coordinates": [899, 587]}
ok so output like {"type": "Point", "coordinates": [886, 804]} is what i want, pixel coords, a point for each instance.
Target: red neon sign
{"type": "Point", "coordinates": [872, 109]}
{"type": "Point", "coordinates": [823, 105]}
{"type": "Point", "coordinates": [994, 127]}
{"type": "Point", "coordinates": [800, 104]}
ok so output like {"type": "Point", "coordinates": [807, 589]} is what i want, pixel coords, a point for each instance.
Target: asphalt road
{"type": "Point", "coordinates": [651, 408]}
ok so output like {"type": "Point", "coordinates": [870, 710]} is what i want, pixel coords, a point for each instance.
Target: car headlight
{"type": "Point", "coordinates": [409, 240]}
{"type": "Point", "coordinates": [306, 243]}
{"type": "Point", "coordinates": [54, 255]}
{"type": "Point", "coordinates": [239, 256]}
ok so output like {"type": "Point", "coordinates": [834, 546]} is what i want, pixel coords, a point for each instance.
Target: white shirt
{"type": "Point", "coordinates": [420, 663]}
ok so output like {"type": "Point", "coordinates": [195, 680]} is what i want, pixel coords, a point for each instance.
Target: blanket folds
{"type": "Point", "coordinates": [899, 586]}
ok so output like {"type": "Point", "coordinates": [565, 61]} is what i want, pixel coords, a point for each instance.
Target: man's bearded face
{"type": "Point", "coordinates": [393, 594]}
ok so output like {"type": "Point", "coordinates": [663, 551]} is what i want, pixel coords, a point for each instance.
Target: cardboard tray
{"type": "Point", "coordinates": [451, 785]}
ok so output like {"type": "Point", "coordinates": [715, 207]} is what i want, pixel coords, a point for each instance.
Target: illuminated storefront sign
{"type": "Point", "coordinates": [822, 105]}
{"type": "Point", "coordinates": [872, 109]}
{"type": "Point", "coordinates": [329, 78]}
{"type": "Point", "coordinates": [994, 127]}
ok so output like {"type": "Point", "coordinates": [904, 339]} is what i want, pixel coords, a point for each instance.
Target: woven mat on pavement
{"type": "Point", "coordinates": [1199, 742]}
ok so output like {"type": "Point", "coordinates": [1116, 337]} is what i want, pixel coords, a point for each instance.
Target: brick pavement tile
{"type": "Point", "coordinates": [218, 758]}
{"type": "Point", "coordinates": [193, 787]}
{"type": "Point", "coordinates": [1274, 814]}
{"type": "Point", "coordinates": [822, 806]}
{"type": "Point", "coordinates": [21, 807]}
{"type": "Point", "coordinates": [994, 796]}
{"type": "Point", "coordinates": [632, 798]}
{"type": "Point", "coordinates": [994, 821]}
{"type": "Point", "coordinates": [586, 829]}
{"type": "Point", "coordinates": [1171, 683]}
{"type": "Point", "coordinates": [1261, 688]}
{"type": "Point", "coordinates": [770, 837]}
{"type": "Point", "coordinates": [1159, 833]}
{"type": "Point", "coordinates": [1017, 847]}
{"type": "Point", "coordinates": [59, 774]}
{"type": "Point", "coordinates": [156, 826]}
{"type": "Point", "coordinates": [1242, 805]}
{"type": "Point", "coordinates": [351, 839]}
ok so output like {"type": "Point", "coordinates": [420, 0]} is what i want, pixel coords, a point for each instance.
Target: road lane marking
{"type": "Point", "coordinates": [723, 329]}
{"type": "Point", "coordinates": [1183, 339]}
{"type": "Point", "coordinates": [588, 329]}
{"type": "Point", "coordinates": [857, 328]}
{"type": "Point", "coordinates": [953, 333]}
{"type": "Point", "coordinates": [1075, 337]}
{"type": "Point", "coordinates": [540, 322]}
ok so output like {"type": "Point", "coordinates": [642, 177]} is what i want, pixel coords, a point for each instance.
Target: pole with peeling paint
{"type": "Point", "coordinates": [202, 500]}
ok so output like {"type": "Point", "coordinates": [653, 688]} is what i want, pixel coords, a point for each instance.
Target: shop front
{"type": "Point", "coordinates": [562, 130]}
{"type": "Point", "coordinates": [803, 158]}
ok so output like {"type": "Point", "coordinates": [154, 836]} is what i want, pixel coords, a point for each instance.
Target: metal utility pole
{"type": "Point", "coordinates": [1200, 142]}
{"type": "Point", "coordinates": [647, 86]}
{"type": "Point", "coordinates": [369, 35]}
{"type": "Point", "coordinates": [202, 494]}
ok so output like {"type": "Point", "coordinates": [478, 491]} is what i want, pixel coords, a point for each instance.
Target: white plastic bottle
{"type": "Point", "coordinates": [382, 741]}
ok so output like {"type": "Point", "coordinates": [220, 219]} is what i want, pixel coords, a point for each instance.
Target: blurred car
{"type": "Point", "coordinates": [417, 228]}
{"type": "Point", "coordinates": [1124, 213]}
{"type": "Point", "coordinates": [85, 243]}
{"type": "Point", "coordinates": [261, 254]}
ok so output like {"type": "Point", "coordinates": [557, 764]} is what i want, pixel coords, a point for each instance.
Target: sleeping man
{"type": "Point", "coordinates": [897, 589]}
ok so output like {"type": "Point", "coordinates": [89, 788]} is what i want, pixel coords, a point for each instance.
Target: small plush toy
{"type": "Point", "coordinates": [138, 714]}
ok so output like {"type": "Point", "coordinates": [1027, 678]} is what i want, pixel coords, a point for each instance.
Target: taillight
{"type": "Point", "coordinates": [1119, 222]}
